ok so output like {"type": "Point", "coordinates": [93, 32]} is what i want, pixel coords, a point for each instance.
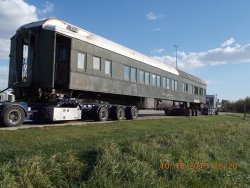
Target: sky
{"type": "Point", "coordinates": [213, 36]}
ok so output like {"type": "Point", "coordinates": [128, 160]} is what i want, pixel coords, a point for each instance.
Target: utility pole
{"type": "Point", "coordinates": [245, 108]}
{"type": "Point", "coordinates": [176, 46]}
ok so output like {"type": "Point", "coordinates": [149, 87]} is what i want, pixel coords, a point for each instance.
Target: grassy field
{"type": "Point", "coordinates": [212, 151]}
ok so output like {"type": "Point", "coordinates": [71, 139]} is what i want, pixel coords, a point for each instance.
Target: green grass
{"type": "Point", "coordinates": [129, 154]}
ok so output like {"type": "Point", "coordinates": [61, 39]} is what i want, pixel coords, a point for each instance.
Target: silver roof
{"type": "Point", "coordinates": [81, 34]}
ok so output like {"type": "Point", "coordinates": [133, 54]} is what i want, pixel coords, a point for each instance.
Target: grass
{"type": "Point", "coordinates": [129, 154]}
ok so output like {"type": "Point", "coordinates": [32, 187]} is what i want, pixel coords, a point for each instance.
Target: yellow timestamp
{"type": "Point", "coordinates": [197, 165]}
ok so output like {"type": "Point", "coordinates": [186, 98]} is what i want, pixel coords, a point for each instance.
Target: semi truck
{"type": "Point", "coordinates": [61, 72]}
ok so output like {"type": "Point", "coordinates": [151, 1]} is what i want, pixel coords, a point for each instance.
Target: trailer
{"type": "Point", "coordinates": [60, 72]}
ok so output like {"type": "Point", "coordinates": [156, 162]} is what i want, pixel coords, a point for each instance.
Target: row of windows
{"type": "Point", "coordinates": [130, 74]}
{"type": "Point", "coordinates": [81, 63]}
{"type": "Point", "coordinates": [194, 89]}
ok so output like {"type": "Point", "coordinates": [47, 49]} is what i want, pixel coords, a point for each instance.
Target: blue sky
{"type": "Point", "coordinates": [213, 37]}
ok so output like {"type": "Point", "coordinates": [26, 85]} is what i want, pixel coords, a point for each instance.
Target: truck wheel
{"type": "Point", "coordinates": [13, 116]}
{"type": "Point", "coordinates": [102, 114]}
{"type": "Point", "coordinates": [131, 112]}
{"type": "Point", "coordinates": [117, 113]}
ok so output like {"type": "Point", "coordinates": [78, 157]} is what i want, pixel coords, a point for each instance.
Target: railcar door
{"type": "Point", "coordinates": [62, 61]}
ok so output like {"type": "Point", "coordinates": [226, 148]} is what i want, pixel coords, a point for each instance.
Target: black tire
{"type": "Point", "coordinates": [131, 112]}
{"type": "Point", "coordinates": [117, 113]}
{"type": "Point", "coordinates": [101, 114]}
{"type": "Point", "coordinates": [13, 116]}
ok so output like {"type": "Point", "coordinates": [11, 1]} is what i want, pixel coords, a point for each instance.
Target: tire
{"type": "Point", "coordinates": [101, 114]}
{"type": "Point", "coordinates": [117, 113]}
{"type": "Point", "coordinates": [131, 112]}
{"type": "Point", "coordinates": [13, 116]}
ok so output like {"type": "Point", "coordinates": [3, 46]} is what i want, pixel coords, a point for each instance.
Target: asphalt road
{"type": "Point", "coordinates": [143, 114]}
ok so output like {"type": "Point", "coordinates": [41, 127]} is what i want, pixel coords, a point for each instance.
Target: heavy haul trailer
{"type": "Point", "coordinates": [58, 68]}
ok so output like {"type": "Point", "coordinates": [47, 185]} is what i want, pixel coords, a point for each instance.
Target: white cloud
{"type": "Point", "coordinates": [47, 8]}
{"type": "Point", "coordinates": [4, 72]}
{"type": "Point", "coordinates": [13, 14]}
{"type": "Point", "coordinates": [208, 82]}
{"type": "Point", "coordinates": [218, 56]}
{"type": "Point", "coordinates": [159, 50]}
{"type": "Point", "coordinates": [228, 42]}
{"type": "Point", "coordinates": [153, 16]}
{"type": "Point", "coordinates": [157, 29]}
{"type": "Point", "coordinates": [4, 48]}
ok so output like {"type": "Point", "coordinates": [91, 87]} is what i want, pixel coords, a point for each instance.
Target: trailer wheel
{"type": "Point", "coordinates": [131, 112]}
{"type": "Point", "coordinates": [13, 116]}
{"type": "Point", "coordinates": [117, 113]}
{"type": "Point", "coordinates": [102, 114]}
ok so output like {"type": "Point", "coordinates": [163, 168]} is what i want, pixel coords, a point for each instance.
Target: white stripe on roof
{"type": "Point", "coordinates": [81, 34]}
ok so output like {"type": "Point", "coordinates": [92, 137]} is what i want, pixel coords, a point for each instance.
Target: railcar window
{"type": "Point", "coordinates": [25, 62]}
{"type": "Point", "coordinates": [158, 81]}
{"type": "Point", "coordinates": [153, 79]}
{"type": "Point", "coordinates": [172, 85]}
{"type": "Point", "coordinates": [126, 72]}
{"type": "Point", "coordinates": [97, 63]}
{"type": "Point", "coordinates": [175, 85]}
{"type": "Point", "coordinates": [147, 78]}
{"type": "Point", "coordinates": [201, 92]}
{"type": "Point", "coordinates": [164, 82]}
{"type": "Point", "coordinates": [191, 90]}
{"type": "Point", "coordinates": [107, 68]}
{"type": "Point", "coordinates": [196, 90]}
{"type": "Point", "coordinates": [185, 87]}
{"type": "Point", "coordinates": [142, 77]}
{"type": "Point", "coordinates": [168, 83]}
{"type": "Point", "coordinates": [81, 61]}
{"type": "Point", "coordinates": [133, 74]}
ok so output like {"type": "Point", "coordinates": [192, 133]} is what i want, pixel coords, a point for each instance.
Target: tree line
{"type": "Point", "coordinates": [240, 106]}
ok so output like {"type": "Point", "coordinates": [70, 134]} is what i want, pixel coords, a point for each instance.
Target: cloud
{"type": "Point", "coordinates": [4, 48]}
{"type": "Point", "coordinates": [208, 82]}
{"type": "Point", "coordinates": [157, 29]}
{"type": "Point", "coordinates": [228, 42]}
{"type": "Point", "coordinates": [4, 72]}
{"type": "Point", "coordinates": [48, 7]}
{"type": "Point", "coordinates": [13, 14]}
{"type": "Point", "coordinates": [218, 56]}
{"type": "Point", "coordinates": [153, 16]}
{"type": "Point", "coordinates": [158, 50]}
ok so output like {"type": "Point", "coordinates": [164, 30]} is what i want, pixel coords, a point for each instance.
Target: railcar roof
{"type": "Point", "coordinates": [81, 34]}
{"type": "Point", "coordinates": [191, 77]}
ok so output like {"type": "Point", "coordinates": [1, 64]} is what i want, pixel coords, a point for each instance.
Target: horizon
{"type": "Point", "coordinates": [213, 44]}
